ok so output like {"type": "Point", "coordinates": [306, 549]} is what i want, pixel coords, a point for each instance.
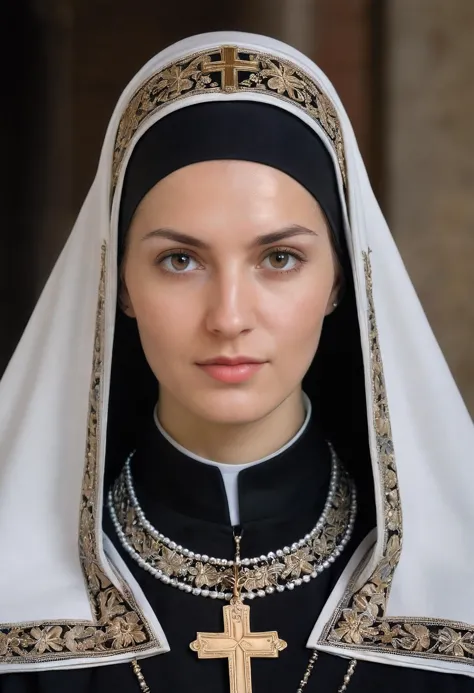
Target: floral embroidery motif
{"type": "Point", "coordinates": [171, 563]}
{"type": "Point", "coordinates": [119, 624]}
{"type": "Point", "coordinates": [184, 571]}
{"type": "Point", "coordinates": [298, 563]}
{"type": "Point", "coordinates": [204, 574]}
{"type": "Point", "coordinates": [209, 71]}
{"type": "Point", "coordinates": [360, 621]}
{"type": "Point", "coordinates": [261, 577]}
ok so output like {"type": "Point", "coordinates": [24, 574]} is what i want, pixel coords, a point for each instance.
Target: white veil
{"type": "Point", "coordinates": [66, 598]}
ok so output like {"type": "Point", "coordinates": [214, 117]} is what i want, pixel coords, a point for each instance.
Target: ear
{"type": "Point", "coordinates": [334, 298]}
{"type": "Point", "coordinates": [124, 301]}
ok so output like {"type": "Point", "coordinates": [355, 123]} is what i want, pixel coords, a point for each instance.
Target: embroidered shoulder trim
{"type": "Point", "coordinates": [228, 69]}
{"type": "Point", "coordinates": [119, 625]}
{"type": "Point", "coordinates": [359, 622]}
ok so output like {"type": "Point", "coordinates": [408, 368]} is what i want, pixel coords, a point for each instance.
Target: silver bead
{"type": "Point", "coordinates": [204, 558]}
{"type": "Point", "coordinates": [197, 591]}
{"type": "Point", "coordinates": [204, 593]}
{"type": "Point", "coordinates": [261, 593]}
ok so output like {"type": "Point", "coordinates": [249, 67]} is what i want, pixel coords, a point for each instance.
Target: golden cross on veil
{"type": "Point", "coordinates": [230, 65]}
{"type": "Point", "coordinates": [237, 643]}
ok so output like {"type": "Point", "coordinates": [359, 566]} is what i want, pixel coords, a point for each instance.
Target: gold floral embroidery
{"type": "Point", "coordinates": [354, 627]}
{"type": "Point", "coordinates": [359, 622]}
{"type": "Point", "coordinates": [171, 563]}
{"type": "Point", "coordinates": [298, 563]}
{"type": "Point", "coordinates": [228, 69]}
{"type": "Point", "coordinates": [181, 569]}
{"type": "Point", "coordinates": [262, 577]}
{"type": "Point", "coordinates": [204, 574]}
{"type": "Point", "coordinates": [119, 625]}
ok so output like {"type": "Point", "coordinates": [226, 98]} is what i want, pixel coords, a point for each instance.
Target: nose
{"type": "Point", "coordinates": [231, 305]}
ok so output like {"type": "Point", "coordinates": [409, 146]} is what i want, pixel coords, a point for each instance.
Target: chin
{"type": "Point", "coordinates": [234, 406]}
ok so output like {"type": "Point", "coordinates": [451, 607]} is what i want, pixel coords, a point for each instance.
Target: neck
{"type": "Point", "coordinates": [232, 443]}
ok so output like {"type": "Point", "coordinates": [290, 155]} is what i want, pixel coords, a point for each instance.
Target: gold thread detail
{"type": "Point", "coordinates": [118, 623]}
{"type": "Point", "coordinates": [301, 561]}
{"type": "Point", "coordinates": [228, 69]}
{"type": "Point", "coordinates": [359, 621]}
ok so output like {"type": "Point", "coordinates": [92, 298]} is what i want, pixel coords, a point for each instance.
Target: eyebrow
{"type": "Point", "coordinates": [265, 239]}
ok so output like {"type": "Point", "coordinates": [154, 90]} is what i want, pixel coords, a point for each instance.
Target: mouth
{"type": "Point", "coordinates": [230, 361]}
{"type": "Point", "coordinates": [232, 370]}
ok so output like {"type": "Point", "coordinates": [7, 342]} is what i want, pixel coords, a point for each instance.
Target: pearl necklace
{"type": "Point", "coordinates": [205, 576]}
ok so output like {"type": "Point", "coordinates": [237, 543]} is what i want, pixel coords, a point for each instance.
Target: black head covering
{"type": "Point", "coordinates": [242, 130]}
{"type": "Point", "coordinates": [270, 135]}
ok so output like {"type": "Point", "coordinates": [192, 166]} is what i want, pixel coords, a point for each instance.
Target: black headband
{"type": "Point", "coordinates": [242, 130]}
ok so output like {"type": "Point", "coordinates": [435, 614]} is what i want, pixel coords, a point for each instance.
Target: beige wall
{"type": "Point", "coordinates": [430, 188]}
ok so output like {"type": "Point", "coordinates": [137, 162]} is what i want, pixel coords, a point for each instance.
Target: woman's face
{"type": "Point", "coordinates": [229, 260]}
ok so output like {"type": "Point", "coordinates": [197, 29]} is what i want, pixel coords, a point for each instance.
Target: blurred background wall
{"type": "Point", "coordinates": [403, 69]}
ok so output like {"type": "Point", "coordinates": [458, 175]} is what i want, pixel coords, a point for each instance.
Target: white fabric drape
{"type": "Point", "coordinates": [45, 395]}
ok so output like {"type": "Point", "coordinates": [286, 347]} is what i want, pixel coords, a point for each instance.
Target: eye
{"type": "Point", "coordinates": [178, 263]}
{"type": "Point", "coordinates": [282, 260]}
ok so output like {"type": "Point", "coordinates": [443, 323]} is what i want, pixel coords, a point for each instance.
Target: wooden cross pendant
{"type": "Point", "coordinates": [230, 65]}
{"type": "Point", "coordinates": [238, 644]}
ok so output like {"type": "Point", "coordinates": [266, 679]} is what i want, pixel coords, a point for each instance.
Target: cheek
{"type": "Point", "coordinates": [164, 320]}
{"type": "Point", "coordinates": [298, 318]}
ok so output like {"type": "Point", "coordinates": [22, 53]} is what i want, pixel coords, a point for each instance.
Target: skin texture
{"type": "Point", "coordinates": [231, 297]}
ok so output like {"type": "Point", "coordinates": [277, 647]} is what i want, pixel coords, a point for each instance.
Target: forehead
{"type": "Point", "coordinates": [228, 189]}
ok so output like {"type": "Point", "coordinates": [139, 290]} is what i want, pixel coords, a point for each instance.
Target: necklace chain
{"type": "Point", "coordinates": [137, 670]}
{"type": "Point", "coordinates": [134, 532]}
{"type": "Point", "coordinates": [205, 576]}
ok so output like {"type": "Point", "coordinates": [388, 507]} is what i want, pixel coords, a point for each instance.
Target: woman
{"type": "Point", "coordinates": [252, 513]}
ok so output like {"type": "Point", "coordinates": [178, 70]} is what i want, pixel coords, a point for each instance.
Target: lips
{"type": "Point", "coordinates": [230, 361]}
{"type": "Point", "coordinates": [232, 370]}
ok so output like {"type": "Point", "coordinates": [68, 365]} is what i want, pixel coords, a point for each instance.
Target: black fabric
{"type": "Point", "coordinates": [267, 490]}
{"type": "Point", "coordinates": [302, 472]}
{"type": "Point", "coordinates": [242, 130]}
